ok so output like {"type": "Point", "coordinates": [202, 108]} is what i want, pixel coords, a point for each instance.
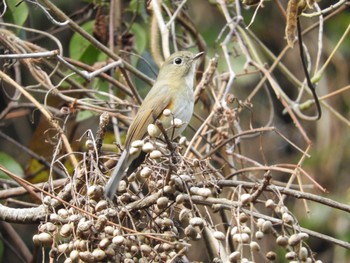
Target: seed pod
{"type": "Point", "coordinates": [177, 123]}
{"type": "Point", "coordinates": [183, 140]}
{"type": "Point", "coordinates": [290, 255]}
{"type": "Point", "coordinates": [116, 232]}
{"type": "Point", "coordinates": [194, 190]}
{"type": "Point", "coordinates": [234, 256]}
{"type": "Point", "coordinates": [53, 253]}
{"type": "Point", "coordinates": [54, 202]}
{"type": "Point", "coordinates": [70, 245]}
{"type": "Point", "coordinates": [271, 255]}
{"type": "Point", "coordinates": [147, 147]}
{"type": "Point", "coordinates": [54, 218]}
{"type": "Point", "coordinates": [134, 249]}
{"type": "Point", "coordinates": [63, 213]}
{"type": "Point", "coordinates": [245, 238]}
{"type": "Point", "coordinates": [246, 230]}
{"type": "Point", "coordinates": [205, 192]}
{"type": "Point", "coordinates": [146, 249]}
{"type": "Point", "coordinates": [74, 255]}
{"type": "Point", "coordinates": [104, 243]}
{"type": "Point", "coordinates": [219, 235]}
{"type": "Point", "coordinates": [84, 225]}
{"type": "Point", "coordinates": [259, 235]}
{"type": "Point", "coordinates": [128, 258]}
{"type": "Point", "coordinates": [63, 248]}
{"type": "Point", "coordinates": [82, 245]}
{"type": "Point", "coordinates": [101, 205]}
{"type": "Point", "coordinates": [185, 177]}
{"type": "Point", "coordinates": [237, 238]}
{"type": "Point", "coordinates": [266, 227]}
{"type": "Point", "coordinates": [159, 183]}
{"type": "Point", "coordinates": [243, 218]}
{"type": "Point", "coordinates": [109, 230]}
{"type": "Point", "coordinates": [153, 130]}
{"type": "Point", "coordinates": [137, 143]}
{"type": "Point", "coordinates": [260, 222]}
{"type": "Point", "coordinates": [169, 189]}
{"type": "Point", "coordinates": [74, 218]}
{"type": "Point", "coordinates": [294, 240]}
{"type": "Point", "coordinates": [254, 246]}
{"type": "Point", "coordinates": [167, 222]}
{"type": "Point", "coordinates": [87, 256]}
{"type": "Point", "coordinates": [180, 198]}
{"type": "Point", "coordinates": [118, 240]}
{"type": "Point", "coordinates": [303, 253]}
{"type": "Point", "coordinates": [287, 218]}
{"type": "Point", "coordinates": [95, 192]}
{"type": "Point", "coordinates": [134, 150]}
{"type": "Point", "coordinates": [48, 227]}
{"type": "Point", "coordinates": [270, 203]}
{"type": "Point", "coordinates": [167, 112]}
{"type": "Point", "coordinates": [110, 250]}
{"type": "Point", "coordinates": [159, 221]}
{"type": "Point", "coordinates": [155, 154]}
{"type": "Point", "coordinates": [45, 238]}
{"type": "Point", "coordinates": [146, 172]}
{"type": "Point", "coordinates": [184, 214]}
{"type": "Point", "coordinates": [47, 200]}
{"type": "Point", "coordinates": [66, 230]}
{"type": "Point", "coordinates": [162, 202]}
{"type": "Point", "coordinates": [36, 240]}
{"type": "Point", "coordinates": [284, 209]}
{"type": "Point", "coordinates": [282, 241]}
{"type": "Point", "coordinates": [191, 232]}
{"type": "Point", "coordinates": [98, 254]}
{"type": "Point", "coordinates": [234, 230]}
{"type": "Point", "coordinates": [101, 222]}
{"type": "Point", "coordinates": [196, 221]}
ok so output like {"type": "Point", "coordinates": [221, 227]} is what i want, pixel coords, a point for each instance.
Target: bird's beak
{"type": "Point", "coordinates": [198, 55]}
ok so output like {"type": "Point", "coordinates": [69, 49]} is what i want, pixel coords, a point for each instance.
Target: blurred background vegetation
{"type": "Point", "coordinates": [263, 25]}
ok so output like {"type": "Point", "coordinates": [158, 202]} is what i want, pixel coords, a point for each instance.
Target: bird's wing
{"type": "Point", "coordinates": [157, 100]}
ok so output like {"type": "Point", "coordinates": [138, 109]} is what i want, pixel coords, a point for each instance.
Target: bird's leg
{"type": "Point", "coordinates": [168, 142]}
{"type": "Point", "coordinates": [166, 138]}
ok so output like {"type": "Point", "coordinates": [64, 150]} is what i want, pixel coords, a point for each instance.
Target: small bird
{"type": "Point", "coordinates": [173, 90]}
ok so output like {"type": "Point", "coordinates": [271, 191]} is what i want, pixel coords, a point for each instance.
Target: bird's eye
{"type": "Point", "coordinates": [178, 61]}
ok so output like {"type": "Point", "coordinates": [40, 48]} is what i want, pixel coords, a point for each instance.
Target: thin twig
{"type": "Point", "coordinates": [46, 113]}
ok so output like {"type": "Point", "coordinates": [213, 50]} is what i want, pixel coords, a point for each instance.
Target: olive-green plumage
{"type": "Point", "coordinates": [172, 90]}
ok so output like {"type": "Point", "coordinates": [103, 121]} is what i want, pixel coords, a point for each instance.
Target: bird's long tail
{"type": "Point", "coordinates": [116, 176]}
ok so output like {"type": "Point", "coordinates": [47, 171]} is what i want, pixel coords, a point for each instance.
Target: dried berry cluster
{"type": "Point", "coordinates": [169, 205]}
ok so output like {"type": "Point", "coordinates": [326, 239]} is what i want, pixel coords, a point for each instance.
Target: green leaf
{"type": "Point", "coordinates": [84, 114]}
{"type": "Point", "coordinates": [10, 164]}
{"type": "Point", "coordinates": [82, 50]}
{"type": "Point", "coordinates": [101, 85]}
{"type": "Point", "coordinates": [140, 37]}
{"type": "Point", "coordinates": [16, 14]}
{"type": "Point", "coordinates": [138, 7]}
